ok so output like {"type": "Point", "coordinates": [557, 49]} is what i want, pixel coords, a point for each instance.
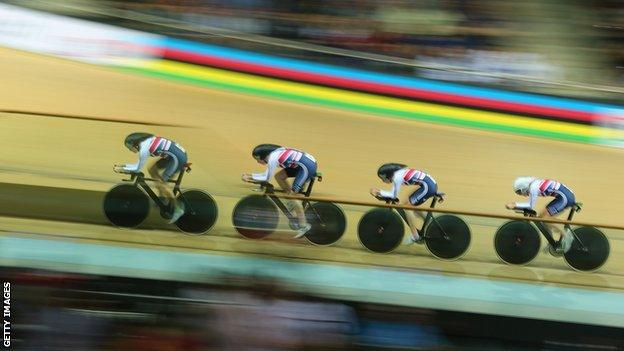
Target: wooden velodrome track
{"type": "Point", "coordinates": [54, 170]}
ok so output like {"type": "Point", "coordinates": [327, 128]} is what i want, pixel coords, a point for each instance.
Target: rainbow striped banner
{"type": "Point", "coordinates": [379, 83]}
{"type": "Point", "coordinates": [369, 103]}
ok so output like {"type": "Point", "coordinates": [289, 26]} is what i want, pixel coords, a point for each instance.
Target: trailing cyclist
{"type": "Point", "coordinates": [172, 159]}
{"type": "Point", "coordinates": [532, 188]}
{"type": "Point", "coordinates": [294, 163]}
{"type": "Point", "coordinates": [399, 174]}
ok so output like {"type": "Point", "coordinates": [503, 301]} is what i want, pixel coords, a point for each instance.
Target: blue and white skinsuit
{"type": "Point", "coordinates": [173, 156]}
{"type": "Point", "coordinates": [410, 176]}
{"type": "Point", "coordinates": [296, 163]}
{"type": "Point", "coordinates": [564, 197]}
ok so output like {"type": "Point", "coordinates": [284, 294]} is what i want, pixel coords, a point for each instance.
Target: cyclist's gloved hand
{"type": "Point", "coordinates": [375, 192]}
{"type": "Point", "coordinates": [389, 199]}
{"type": "Point", "coordinates": [529, 211]}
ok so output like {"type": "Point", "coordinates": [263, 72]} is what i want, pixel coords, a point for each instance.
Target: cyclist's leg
{"type": "Point", "coordinates": [156, 172]}
{"type": "Point", "coordinates": [411, 221]}
{"type": "Point", "coordinates": [298, 208]}
{"type": "Point", "coordinates": [304, 172]}
{"type": "Point", "coordinates": [417, 198]}
{"type": "Point", "coordinates": [552, 228]}
{"type": "Point", "coordinates": [281, 177]}
{"type": "Point", "coordinates": [175, 161]}
{"type": "Point", "coordinates": [562, 201]}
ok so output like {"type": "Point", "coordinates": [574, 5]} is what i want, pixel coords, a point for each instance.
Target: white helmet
{"type": "Point", "coordinates": [521, 184]}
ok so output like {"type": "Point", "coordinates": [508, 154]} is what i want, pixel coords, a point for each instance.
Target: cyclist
{"type": "Point", "coordinates": [294, 163]}
{"type": "Point", "coordinates": [399, 174]}
{"type": "Point", "coordinates": [172, 158]}
{"type": "Point", "coordinates": [564, 198]}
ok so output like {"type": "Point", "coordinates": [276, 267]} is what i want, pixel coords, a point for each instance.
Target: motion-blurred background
{"type": "Point", "coordinates": [512, 44]}
{"type": "Point", "coordinates": [473, 92]}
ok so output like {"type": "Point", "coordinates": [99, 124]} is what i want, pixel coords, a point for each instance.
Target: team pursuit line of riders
{"type": "Point", "coordinates": [283, 163]}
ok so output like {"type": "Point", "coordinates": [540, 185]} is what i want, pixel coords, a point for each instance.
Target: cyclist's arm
{"type": "Point", "coordinates": [397, 181]}
{"type": "Point", "coordinates": [271, 165]}
{"type": "Point", "coordinates": [533, 194]}
{"type": "Point", "coordinates": [143, 156]}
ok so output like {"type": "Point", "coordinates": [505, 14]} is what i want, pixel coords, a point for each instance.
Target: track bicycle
{"type": "Point", "coordinates": [127, 204]}
{"type": "Point", "coordinates": [257, 216]}
{"type": "Point", "coordinates": [446, 236]}
{"type": "Point", "coordinates": [518, 242]}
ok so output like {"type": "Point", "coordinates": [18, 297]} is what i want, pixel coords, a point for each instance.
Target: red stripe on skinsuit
{"type": "Point", "coordinates": [284, 156]}
{"type": "Point", "coordinates": [154, 144]}
{"type": "Point", "coordinates": [409, 175]}
{"type": "Point", "coordinates": [544, 185]}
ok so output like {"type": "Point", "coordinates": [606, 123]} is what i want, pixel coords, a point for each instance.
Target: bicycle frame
{"type": "Point", "coordinates": [269, 190]}
{"type": "Point", "coordinates": [140, 180]}
{"type": "Point", "coordinates": [428, 217]}
{"type": "Point", "coordinates": [546, 232]}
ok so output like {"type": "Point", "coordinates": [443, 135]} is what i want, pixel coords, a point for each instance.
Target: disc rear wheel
{"type": "Point", "coordinates": [328, 223]}
{"type": "Point", "coordinates": [589, 251]}
{"type": "Point", "coordinates": [200, 212]}
{"type": "Point", "coordinates": [447, 237]}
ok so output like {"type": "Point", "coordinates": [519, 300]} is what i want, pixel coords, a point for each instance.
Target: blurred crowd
{"type": "Point", "coordinates": [554, 40]}
{"type": "Point", "coordinates": [53, 311]}
{"type": "Point", "coordinates": [60, 311]}
{"type": "Point", "coordinates": [559, 47]}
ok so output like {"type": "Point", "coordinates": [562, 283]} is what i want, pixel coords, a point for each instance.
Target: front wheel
{"type": "Point", "coordinates": [125, 205]}
{"type": "Point", "coordinates": [517, 242]}
{"type": "Point", "coordinates": [255, 217]}
{"type": "Point", "coordinates": [200, 212]}
{"type": "Point", "coordinates": [328, 223]}
{"type": "Point", "coordinates": [447, 237]}
{"type": "Point", "coordinates": [589, 251]}
{"type": "Point", "coordinates": [381, 230]}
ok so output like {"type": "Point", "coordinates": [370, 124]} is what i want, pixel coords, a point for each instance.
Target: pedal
{"type": "Point", "coordinates": [293, 224]}
{"type": "Point", "coordinates": [553, 251]}
{"type": "Point", "coordinates": [166, 214]}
